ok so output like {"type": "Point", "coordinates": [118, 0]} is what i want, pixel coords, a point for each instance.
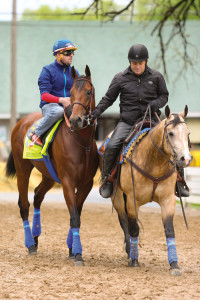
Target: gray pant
{"type": "Point", "coordinates": [52, 112]}
{"type": "Point", "coordinates": [114, 146]}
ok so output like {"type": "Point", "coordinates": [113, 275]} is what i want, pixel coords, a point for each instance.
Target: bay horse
{"type": "Point", "coordinates": [150, 174]}
{"type": "Point", "coordinates": [73, 154]}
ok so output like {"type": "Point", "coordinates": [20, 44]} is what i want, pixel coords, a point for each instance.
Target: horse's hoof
{"type": "Point", "coordinates": [36, 241]}
{"type": "Point", "coordinates": [32, 250]}
{"type": "Point", "coordinates": [78, 260]}
{"type": "Point", "coordinates": [133, 263]}
{"type": "Point", "coordinates": [175, 272]}
{"type": "Point", "coordinates": [174, 269]}
{"type": "Point", "coordinates": [79, 263]}
{"type": "Point", "coordinates": [71, 255]}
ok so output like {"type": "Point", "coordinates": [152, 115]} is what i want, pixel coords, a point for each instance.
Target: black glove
{"type": "Point", "coordinates": [153, 104]}
{"type": "Point", "coordinates": [92, 116]}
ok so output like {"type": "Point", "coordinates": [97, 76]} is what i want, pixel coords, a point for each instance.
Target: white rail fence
{"type": "Point", "coordinates": [192, 177]}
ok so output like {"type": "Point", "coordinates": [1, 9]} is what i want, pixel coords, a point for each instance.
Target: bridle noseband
{"type": "Point", "coordinates": [89, 107]}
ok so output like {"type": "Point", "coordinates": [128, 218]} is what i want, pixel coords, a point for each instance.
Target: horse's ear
{"type": "Point", "coordinates": [73, 73]}
{"type": "Point", "coordinates": [167, 111]}
{"type": "Point", "coordinates": [87, 72]}
{"type": "Point", "coordinates": [185, 112]}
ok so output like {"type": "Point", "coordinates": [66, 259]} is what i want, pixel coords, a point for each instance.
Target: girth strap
{"type": "Point", "coordinates": [155, 180]}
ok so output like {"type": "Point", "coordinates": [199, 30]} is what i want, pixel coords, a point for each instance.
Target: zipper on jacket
{"type": "Point", "coordinates": [138, 86]}
{"type": "Point", "coordinates": [65, 82]}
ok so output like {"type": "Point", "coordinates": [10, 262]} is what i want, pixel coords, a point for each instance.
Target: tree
{"type": "Point", "coordinates": [176, 11]}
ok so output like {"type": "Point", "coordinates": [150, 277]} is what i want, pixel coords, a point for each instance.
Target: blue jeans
{"type": "Point", "coordinates": [52, 112]}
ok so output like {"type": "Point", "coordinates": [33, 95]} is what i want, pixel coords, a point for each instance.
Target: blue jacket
{"type": "Point", "coordinates": [55, 80]}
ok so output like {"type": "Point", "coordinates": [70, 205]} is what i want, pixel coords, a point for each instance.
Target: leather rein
{"type": "Point", "coordinates": [91, 125]}
{"type": "Point", "coordinates": [156, 180]}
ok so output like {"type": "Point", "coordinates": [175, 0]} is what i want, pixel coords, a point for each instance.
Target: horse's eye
{"type": "Point", "coordinates": [88, 92]}
{"type": "Point", "coordinates": [171, 134]}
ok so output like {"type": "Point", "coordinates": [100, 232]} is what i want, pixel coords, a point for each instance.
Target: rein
{"type": "Point", "coordinates": [89, 107]}
{"type": "Point", "coordinates": [155, 180]}
{"type": "Point", "coordinates": [90, 127]}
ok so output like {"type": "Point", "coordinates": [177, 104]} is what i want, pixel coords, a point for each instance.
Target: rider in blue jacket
{"type": "Point", "coordinates": [55, 82]}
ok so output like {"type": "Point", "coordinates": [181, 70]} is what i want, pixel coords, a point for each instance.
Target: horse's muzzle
{"type": "Point", "coordinates": [76, 123]}
{"type": "Point", "coordinates": [184, 161]}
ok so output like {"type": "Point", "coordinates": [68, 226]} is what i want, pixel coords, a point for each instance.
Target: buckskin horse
{"type": "Point", "coordinates": [74, 156]}
{"type": "Point", "coordinates": [150, 174]}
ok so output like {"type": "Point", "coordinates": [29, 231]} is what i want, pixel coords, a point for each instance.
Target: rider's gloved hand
{"type": "Point", "coordinates": [153, 104]}
{"type": "Point", "coordinates": [93, 116]}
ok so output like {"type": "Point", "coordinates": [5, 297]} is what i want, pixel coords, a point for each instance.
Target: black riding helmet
{"type": "Point", "coordinates": [138, 52]}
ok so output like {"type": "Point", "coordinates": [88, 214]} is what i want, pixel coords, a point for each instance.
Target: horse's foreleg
{"type": "Point", "coordinates": [119, 203]}
{"type": "Point", "coordinates": [167, 209]}
{"type": "Point", "coordinates": [39, 193]}
{"type": "Point", "coordinates": [74, 200]}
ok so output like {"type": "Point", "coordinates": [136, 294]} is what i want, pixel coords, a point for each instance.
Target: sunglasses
{"type": "Point", "coordinates": [67, 52]}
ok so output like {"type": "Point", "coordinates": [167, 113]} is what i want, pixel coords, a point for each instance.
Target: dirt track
{"type": "Point", "coordinates": [51, 275]}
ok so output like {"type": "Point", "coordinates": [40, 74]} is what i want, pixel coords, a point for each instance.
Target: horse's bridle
{"type": "Point", "coordinates": [89, 107]}
{"type": "Point", "coordinates": [168, 140]}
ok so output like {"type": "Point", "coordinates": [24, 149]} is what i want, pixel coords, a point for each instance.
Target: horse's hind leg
{"type": "Point", "coordinates": [167, 210]}
{"type": "Point", "coordinates": [45, 185]}
{"type": "Point", "coordinates": [23, 171]}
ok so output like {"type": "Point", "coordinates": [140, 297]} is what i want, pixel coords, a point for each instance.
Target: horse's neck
{"type": "Point", "coordinates": [149, 152]}
{"type": "Point", "coordinates": [83, 137]}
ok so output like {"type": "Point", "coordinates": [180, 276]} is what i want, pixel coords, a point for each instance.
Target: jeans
{"type": "Point", "coordinates": [114, 146]}
{"type": "Point", "coordinates": [52, 112]}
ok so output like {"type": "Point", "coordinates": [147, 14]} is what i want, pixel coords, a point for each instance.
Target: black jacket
{"type": "Point", "coordinates": [134, 90]}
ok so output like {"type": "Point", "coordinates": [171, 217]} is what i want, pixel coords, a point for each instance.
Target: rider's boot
{"type": "Point", "coordinates": [106, 188]}
{"type": "Point", "coordinates": [36, 140]}
{"type": "Point", "coordinates": [182, 188]}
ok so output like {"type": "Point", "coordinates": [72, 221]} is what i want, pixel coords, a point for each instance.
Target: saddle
{"type": "Point", "coordinates": [140, 129]}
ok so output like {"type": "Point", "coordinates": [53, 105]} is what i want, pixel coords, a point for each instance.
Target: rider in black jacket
{"type": "Point", "coordinates": [137, 86]}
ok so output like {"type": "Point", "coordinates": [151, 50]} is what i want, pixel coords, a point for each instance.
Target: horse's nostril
{"type": "Point", "coordinates": [182, 158]}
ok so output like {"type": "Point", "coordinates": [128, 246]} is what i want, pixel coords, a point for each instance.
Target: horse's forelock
{"type": "Point", "coordinates": [80, 83]}
{"type": "Point", "coordinates": [176, 120]}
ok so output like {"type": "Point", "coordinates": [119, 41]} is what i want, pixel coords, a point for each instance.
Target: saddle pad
{"type": "Point", "coordinates": [127, 151]}
{"type": "Point", "coordinates": [37, 152]}
{"type": "Point", "coordinates": [129, 147]}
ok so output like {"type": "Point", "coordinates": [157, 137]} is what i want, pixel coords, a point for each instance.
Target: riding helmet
{"type": "Point", "coordinates": [138, 52]}
{"type": "Point", "coordinates": [63, 44]}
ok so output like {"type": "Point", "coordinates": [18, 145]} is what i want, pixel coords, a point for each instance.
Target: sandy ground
{"type": "Point", "coordinates": [50, 275]}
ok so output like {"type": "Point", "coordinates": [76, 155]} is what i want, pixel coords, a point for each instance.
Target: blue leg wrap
{"type": "Point", "coordinates": [36, 228]}
{"type": "Point", "coordinates": [134, 248]}
{"type": "Point", "coordinates": [76, 247]}
{"type": "Point", "coordinates": [28, 238]}
{"type": "Point", "coordinates": [69, 240]}
{"type": "Point", "coordinates": [171, 248]}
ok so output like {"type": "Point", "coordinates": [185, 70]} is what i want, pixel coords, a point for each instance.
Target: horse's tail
{"type": "Point", "coordinates": [10, 166]}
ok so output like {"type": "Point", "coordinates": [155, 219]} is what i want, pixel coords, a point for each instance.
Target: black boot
{"type": "Point", "coordinates": [106, 188]}
{"type": "Point", "coordinates": [181, 186]}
